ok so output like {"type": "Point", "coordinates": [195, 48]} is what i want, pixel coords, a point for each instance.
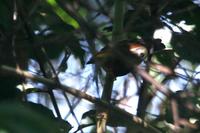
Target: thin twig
{"type": "Point", "coordinates": [30, 34]}
{"type": "Point", "coordinates": [175, 113]}
{"type": "Point", "coordinates": [55, 76]}
{"type": "Point", "coordinates": [150, 79]}
{"type": "Point", "coordinates": [74, 105]}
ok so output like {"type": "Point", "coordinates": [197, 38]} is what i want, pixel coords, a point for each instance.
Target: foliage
{"type": "Point", "coordinates": [51, 32]}
{"type": "Point", "coordinates": [16, 117]}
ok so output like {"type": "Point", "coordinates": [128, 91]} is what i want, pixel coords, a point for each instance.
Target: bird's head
{"type": "Point", "coordinates": [138, 49]}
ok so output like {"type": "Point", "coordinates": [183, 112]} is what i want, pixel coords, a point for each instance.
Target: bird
{"type": "Point", "coordinates": [120, 59]}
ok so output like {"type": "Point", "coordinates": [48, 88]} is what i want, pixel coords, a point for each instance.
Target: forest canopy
{"type": "Point", "coordinates": [99, 66]}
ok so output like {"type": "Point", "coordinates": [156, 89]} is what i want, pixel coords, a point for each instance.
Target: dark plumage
{"type": "Point", "coordinates": [119, 60]}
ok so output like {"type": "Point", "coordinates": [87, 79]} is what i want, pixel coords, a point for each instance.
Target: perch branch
{"type": "Point", "coordinates": [134, 120]}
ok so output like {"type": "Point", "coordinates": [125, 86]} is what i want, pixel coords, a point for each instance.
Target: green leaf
{"type": "Point", "coordinates": [6, 15]}
{"type": "Point", "coordinates": [8, 90]}
{"type": "Point", "coordinates": [39, 108]}
{"type": "Point", "coordinates": [62, 14]}
{"type": "Point", "coordinates": [18, 118]}
{"type": "Point", "coordinates": [186, 45]}
{"type": "Point", "coordinates": [55, 34]}
{"type": "Point", "coordinates": [166, 57]}
{"type": "Point", "coordinates": [184, 10]}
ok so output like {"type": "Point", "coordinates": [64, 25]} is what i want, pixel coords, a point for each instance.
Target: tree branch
{"type": "Point", "coordinates": [134, 120]}
{"type": "Point", "coordinates": [150, 79]}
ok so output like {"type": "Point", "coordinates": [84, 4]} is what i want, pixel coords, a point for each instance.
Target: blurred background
{"type": "Point", "coordinates": [55, 39]}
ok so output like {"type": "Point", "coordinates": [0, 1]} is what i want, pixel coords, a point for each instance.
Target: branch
{"type": "Point", "coordinates": [39, 54]}
{"type": "Point", "coordinates": [175, 112]}
{"type": "Point", "coordinates": [151, 80]}
{"type": "Point", "coordinates": [102, 113]}
{"type": "Point", "coordinates": [55, 76]}
{"type": "Point", "coordinates": [134, 120]}
{"type": "Point", "coordinates": [20, 73]}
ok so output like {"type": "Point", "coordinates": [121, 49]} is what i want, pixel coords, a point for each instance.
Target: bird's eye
{"type": "Point", "coordinates": [140, 51]}
{"type": "Point", "coordinates": [142, 55]}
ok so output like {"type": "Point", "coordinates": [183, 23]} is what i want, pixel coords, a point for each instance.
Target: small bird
{"type": "Point", "coordinates": [119, 60]}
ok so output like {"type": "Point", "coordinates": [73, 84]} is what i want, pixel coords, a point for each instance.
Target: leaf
{"type": "Point", "coordinates": [141, 22]}
{"type": "Point", "coordinates": [63, 65]}
{"type": "Point", "coordinates": [18, 118]}
{"type": "Point", "coordinates": [166, 57]}
{"type": "Point", "coordinates": [91, 114]}
{"type": "Point", "coordinates": [184, 10]}
{"type": "Point", "coordinates": [186, 45]}
{"type": "Point", "coordinates": [39, 108]}
{"type": "Point", "coordinates": [76, 49]}
{"type": "Point", "coordinates": [54, 34]}
{"type": "Point", "coordinates": [31, 90]}
{"type": "Point", "coordinates": [63, 125]}
{"type": "Point", "coordinates": [62, 14]}
{"type": "Point", "coordinates": [6, 20]}
{"type": "Point", "coordinates": [8, 90]}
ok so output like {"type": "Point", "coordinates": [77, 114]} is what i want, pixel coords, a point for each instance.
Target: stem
{"type": "Point", "coordinates": [102, 113]}
{"type": "Point", "coordinates": [118, 26]}
{"type": "Point", "coordinates": [175, 113]}
{"type": "Point", "coordinates": [106, 95]}
{"type": "Point", "coordinates": [144, 99]}
{"type": "Point", "coordinates": [151, 80]}
{"type": "Point", "coordinates": [38, 52]}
